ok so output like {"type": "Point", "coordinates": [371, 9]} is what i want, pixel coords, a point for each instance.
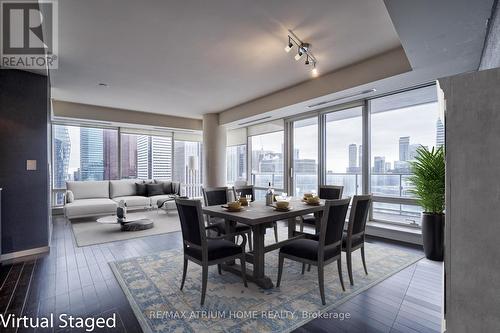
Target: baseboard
{"type": "Point", "coordinates": [397, 233]}
{"type": "Point", "coordinates": [25, 253]}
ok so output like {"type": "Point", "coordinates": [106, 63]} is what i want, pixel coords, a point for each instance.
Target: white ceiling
{"type": "Point", "coordinates": [440, 38]}
{"type": "Point", "coordinates": [191, 57]}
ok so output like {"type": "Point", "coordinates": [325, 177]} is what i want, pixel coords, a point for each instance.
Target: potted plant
{"type": "Point", "coordinates": [428, 181]}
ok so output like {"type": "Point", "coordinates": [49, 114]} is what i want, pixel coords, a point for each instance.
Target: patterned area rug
{"type": "Point", "coordinates": [151, 284]}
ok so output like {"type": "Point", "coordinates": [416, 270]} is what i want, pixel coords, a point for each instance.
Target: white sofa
{"type": "Point", "coordinates": [95, 198]}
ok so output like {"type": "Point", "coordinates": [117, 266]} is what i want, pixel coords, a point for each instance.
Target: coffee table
{"type": "Point", "coordinates": [131, 223]}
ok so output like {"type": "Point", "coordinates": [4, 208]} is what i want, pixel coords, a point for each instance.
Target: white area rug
{"type": "Point", "coordinates": [89, 232]}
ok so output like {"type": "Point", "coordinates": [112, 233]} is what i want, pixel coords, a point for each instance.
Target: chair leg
{"type": "Point", "coordinates": [276, 231]}
{"type": "Point", "coordinates": [280, 269]}
{"type": "Point", "coordinates": [363, 259]}
{"type": "Point", "coordinates": [301, 225]}
{"type": "Point", "coordinates": [250, 244]}
{"type": "Point", "coordinates": [349, 266]}
{"type": "Point", "coordinates": [309, 268]}
{"type": "Point", "coordinates": [303, 268]}
{"type": "Point", "coordinates": [321, 280]}
{"type": "Point", "coordinates": [339, 267]}
{"type": "Point", "coordinates": [184, 271]}
{"type": "Point", "coordinates": [243, 270]}
{"type": "Point", "coordinates": [204, 277]}
{"type": "Point", "coordinates": [219, 268]}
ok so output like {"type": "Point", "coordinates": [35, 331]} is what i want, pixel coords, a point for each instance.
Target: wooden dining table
{"type": "Point", "coordinates": [261, 217]}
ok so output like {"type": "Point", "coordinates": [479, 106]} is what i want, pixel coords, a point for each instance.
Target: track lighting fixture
{"type": "Point", "coordinates": [302, 48]}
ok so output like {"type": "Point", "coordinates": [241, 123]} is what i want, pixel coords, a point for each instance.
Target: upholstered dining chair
{"type": "Point", "coordinates": [354, 238]}
{"type": "Point", "coordinates": [250, 190]}
{"type": "Point", "coordinates": [203, 250]}
{"type": "Point", "coordinates": [328, 192]}
{"type": "Point", "coordinates": [219, 196]}
{"type": "Point", "coordinates": [327, 248]}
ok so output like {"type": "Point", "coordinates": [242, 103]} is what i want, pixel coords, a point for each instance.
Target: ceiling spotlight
{"type": "Point", "coordinates": [101, 84]}
{"type": "Point", "coordinates": [298, 55]}
{"type": "Point", "coordinates": [314, 71]}
{"type": "Point", "coordinates": [289, 46]}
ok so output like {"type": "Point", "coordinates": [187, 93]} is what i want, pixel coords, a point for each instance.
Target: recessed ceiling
{"type": "Point", "coordinates": [187, 58]}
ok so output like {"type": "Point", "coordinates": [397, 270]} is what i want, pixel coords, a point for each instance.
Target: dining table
{"type": "Point", "coordinates": [260, 217]}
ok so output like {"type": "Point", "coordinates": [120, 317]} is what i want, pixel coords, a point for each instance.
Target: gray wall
{"type": "Point", "coordinates": [472, 253]}
{"type": "Point", "coordinates": [491, 52]}
{"type": "Point", "coordinates": [24, 106]}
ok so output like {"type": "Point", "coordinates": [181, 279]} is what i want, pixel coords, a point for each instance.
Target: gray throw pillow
{"type": "Point", "coordinates": [154, 189]}
{"type": "Point", "coordinates": [141, 189]}
{"type": "Point", "coordinates": [70, 197]}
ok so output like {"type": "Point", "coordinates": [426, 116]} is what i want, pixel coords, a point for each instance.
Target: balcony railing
{"type": "Point", "coordinates": [393, 201]}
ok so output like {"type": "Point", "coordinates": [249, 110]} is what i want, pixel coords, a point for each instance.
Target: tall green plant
{"type": "Point", "coordinates": [428, 179]}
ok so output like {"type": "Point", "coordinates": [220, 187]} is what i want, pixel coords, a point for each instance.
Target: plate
{"type": "Point", "coordinates": [287, 209]}
{"type": "Point", "coordinates": [232, 209]}
{"type": "Point", "coordinates": [312, 204]}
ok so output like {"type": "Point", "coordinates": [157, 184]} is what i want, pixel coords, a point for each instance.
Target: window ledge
{"type": "Point", "coordinates": [399, 233]}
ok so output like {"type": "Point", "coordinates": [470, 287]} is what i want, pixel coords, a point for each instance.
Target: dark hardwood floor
{"type": "Point", "coordinates": [79, 281]}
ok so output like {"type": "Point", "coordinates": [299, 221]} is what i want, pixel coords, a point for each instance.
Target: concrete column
{"type": "Point", "coordinates": [214, 151]}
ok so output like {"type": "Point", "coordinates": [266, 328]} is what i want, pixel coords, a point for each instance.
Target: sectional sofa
{"type": "Point", "coordinates": [95, 198]}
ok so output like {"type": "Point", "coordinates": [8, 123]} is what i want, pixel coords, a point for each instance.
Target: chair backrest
{"type": "Point", "coordinates": [192, 224]}
{"type": "Point", "coordinates": [333, 221]}
{"type": "Point", "coordinates": [359, 214]}
{"type": "Point", "coordinates": [215, 195]}
{"type": "Point", "coordinates": [331, 192]}
{"type": "Point", "coordinates": [245, 190]}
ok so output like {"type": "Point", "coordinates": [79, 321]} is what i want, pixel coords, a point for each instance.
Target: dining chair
{"type": "Point", "coordinates": [323, 250]}
{"type": "Point", "coordinates": [219, 196]}
{"type": "Point", "coordinates": [328, 192]}
{"type": "Point", "coordinates": [203, 250]}
{"type": "Point", "coordinates": [354, 238]}
{"type": "Point", "coordinates": [250, 190]}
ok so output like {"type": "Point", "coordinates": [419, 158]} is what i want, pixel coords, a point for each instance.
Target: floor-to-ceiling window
{"type": "Point", "coordinates": [187, 166]}
{"type": "Point", "coordinates": [146, 156]}
{"type": "Point", "coordinates": [83, 153]}
{"type": "Point", "coordinates": [305, 156]}
{"type": "Point", "coordinates": [400, 123]}
{"type": "Point", "coordinates": [236, 163]}
{"type": "Point", "coordinates": [266, 158]}
{"type": "Point", "coordinates": [344, 149]}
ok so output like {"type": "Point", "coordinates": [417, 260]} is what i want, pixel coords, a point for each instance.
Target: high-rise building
{"type": "Point", "coordinates": [379, 164]}
{"type": "Point", "coordinates": [62, 151]}
{"type": "Point", "coordinates": [161, 157]}
{"type": "Point", "coordinates": [360, 156]}
{"type": "Point", "coordinates": [404, 143]}
{"type": "Point", "coordinates": [91, 154]}
{"type": "Point", "coordinates": [439, 133]}
{"type": "Point", "coordinates": [353, 155]}
{"type": "Point", "coordinates": [154, 157]}
{"type": "Point", "coordinates": [353, 159]}
{"type": "Point", "coordinates": [143, 157]}
{"type": "Point", "coordinates": [110, 154]}
{"type": "Point", "coordinates": [129, 156]}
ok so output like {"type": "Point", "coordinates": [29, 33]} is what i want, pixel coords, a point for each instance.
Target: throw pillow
{"type": "Point", "coordinates": [167, 186]}
{"type": "Point", "coordinates": [154, 189]}
{"type": "Point", "coordinates": [141, 189]}
{"type": "Point", "coordinates": [70, 197]}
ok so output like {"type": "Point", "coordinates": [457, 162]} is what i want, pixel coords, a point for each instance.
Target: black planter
{"type": "Point", "coordinates": [433, 236]}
